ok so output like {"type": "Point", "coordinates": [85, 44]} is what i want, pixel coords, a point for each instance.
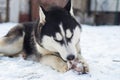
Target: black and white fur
{"type": "Point", "coordinates": [53, 40]}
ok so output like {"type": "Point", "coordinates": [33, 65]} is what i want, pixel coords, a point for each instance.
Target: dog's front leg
{"type": "Point", "coordinates": [55, 62]}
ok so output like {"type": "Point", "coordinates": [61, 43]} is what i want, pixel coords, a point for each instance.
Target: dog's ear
{"type": "Point", "coordinates": [68, 6]}
{"type": "Point", "coordinates": [42, 14]}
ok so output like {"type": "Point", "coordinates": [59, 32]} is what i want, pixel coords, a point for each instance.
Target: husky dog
{"type": "Point", "coordinates": [53, 40]}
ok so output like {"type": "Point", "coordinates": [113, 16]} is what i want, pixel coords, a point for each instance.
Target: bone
{"type": "Point", "coordinates": [76, 66]}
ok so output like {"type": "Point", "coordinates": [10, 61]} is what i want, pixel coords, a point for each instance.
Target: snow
{"type": "Point", "coordinates": [100, 47]}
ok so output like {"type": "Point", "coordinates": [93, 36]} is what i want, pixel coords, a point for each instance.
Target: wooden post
{"type": "Point", "coordinates": [34, 10]}
{"type": "Point", "coordinates": [34, 6]}
{"type": "Point", "coordinates": [0, 17]}
{"type": "Point", "coordinates": [7, 10]}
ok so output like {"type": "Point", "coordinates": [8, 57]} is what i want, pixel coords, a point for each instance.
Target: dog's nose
{"type": "Point", "coordinates": [70, 57]}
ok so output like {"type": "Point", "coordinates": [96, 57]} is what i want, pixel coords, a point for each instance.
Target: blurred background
{"type": "Point", "coordinates": [93, 12]}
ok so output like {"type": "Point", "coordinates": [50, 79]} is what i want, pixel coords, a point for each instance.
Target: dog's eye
{"type": "Point", "coordinates": [70, 38]}
{"type": "Point", "coordinates": [59, 41]}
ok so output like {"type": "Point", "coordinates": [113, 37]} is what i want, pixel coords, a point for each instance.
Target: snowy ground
{"type": "Point", "coordinates": [100, 46]}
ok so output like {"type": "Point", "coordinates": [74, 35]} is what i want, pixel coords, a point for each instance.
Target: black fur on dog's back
{"type": "Point", "coordinates": [29, 37]}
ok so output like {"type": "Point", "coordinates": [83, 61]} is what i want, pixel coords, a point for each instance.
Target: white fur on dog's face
{"type": "Point", "coordinates": [58, 36]}
{"type": "Point", "coordinates": [68, 33]}
{"type": "Point", "coordinates": [65, 49]}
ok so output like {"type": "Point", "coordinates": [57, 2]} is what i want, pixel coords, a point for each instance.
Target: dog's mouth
{"type": "Point", "coordinates": [75, 65]}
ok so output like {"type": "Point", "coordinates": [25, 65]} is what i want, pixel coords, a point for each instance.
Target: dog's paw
{"type": "Point", "coordinates": [79, 66]}
{"type": "Point", "coordinates": [82, 68]}
{"type": "Point", "coordinates": [63, 69]}
{"type": "Point", "coordinates": [85, 68]}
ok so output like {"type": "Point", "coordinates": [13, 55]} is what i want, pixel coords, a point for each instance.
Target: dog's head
{"type": "Point", "coordinates": [61, 32]}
